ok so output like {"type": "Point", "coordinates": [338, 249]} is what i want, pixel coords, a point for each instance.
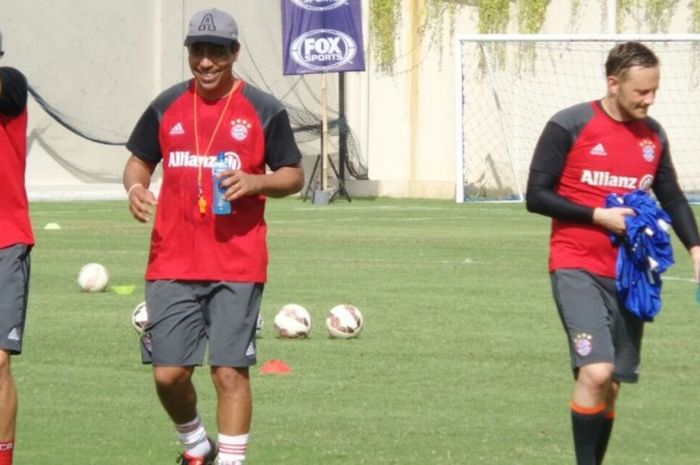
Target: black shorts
{"type": "Point", "coordinates": [15, 269]}
{"type": "Point", "coordinates": [184, 315]}
{"type": "Point", "coordinates": [599, 328]}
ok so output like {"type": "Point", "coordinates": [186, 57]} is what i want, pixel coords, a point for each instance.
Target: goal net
{"type": "Point", "coordinates": [508, 86]}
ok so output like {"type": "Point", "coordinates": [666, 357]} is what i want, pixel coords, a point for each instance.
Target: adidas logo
{"type": "Point", "coordinates": [14, 335]}
{"type": "Point", "coordinates": [251, 350]}
{"type": "Point", "coordinates": [177, 129]}
{"type": "Point", "coordinates": [599, 150]}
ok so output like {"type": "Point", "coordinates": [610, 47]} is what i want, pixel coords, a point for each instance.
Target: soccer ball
{"type": "Point", "coordinates": [139, 318]}
{"type": "Point", "coordinates": [93, 277]}
{"type": "Point", "coordinates": [292, 321]}
{"type": "Point", "coordinates": [344, 321]}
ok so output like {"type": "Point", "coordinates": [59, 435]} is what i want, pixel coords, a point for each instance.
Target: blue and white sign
{"type": "Point", "coordinates": [321, 36]}
{"type": "Point", "coordinates": [319, 5]}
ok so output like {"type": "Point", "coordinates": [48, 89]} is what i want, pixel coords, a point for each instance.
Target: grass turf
{"type": "Point", "coordinates": [462, 360]}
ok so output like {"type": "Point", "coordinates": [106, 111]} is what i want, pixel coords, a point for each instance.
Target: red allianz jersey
{"type": "Point", "coordinates": [607, 156]}
{"type": "Point", "coordinates": [254, 131]}
{"type": "Point", "coordinates": [15, 225]}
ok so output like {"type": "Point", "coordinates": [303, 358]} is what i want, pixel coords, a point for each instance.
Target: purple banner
{"type": "Point", "coordinates": [322, 36]}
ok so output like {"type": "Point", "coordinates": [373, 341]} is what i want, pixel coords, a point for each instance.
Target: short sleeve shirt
{"type": "Point", "coordinates": [253, 130]}
{"type": "Point", "coordinates": [15, 224]}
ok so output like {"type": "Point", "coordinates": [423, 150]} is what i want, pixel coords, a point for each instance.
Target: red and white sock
{"type": "Point", "coordinates": [193, 437]}
{"type": "Point", "coordinates": [232, 449]}
{"type": "Point", "coordinates": [6, 450]}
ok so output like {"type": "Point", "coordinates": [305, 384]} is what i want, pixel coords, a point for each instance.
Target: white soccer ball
{"type": "Point", "coordinates": [344, 321]}
{"type": "Point", "coordinates": [292, 321]}
{"type": "Point", "coordinates": [139, 318]}
{"type": "Point", "coordinates": [93, 277]}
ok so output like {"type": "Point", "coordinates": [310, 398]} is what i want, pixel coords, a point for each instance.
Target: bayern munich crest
{"type": "Point", "coordinates": [648, 150]}
{"type": "Point", "coordinates": [240, 129]}
{"type": "Point", "coordinates": [583, 344]}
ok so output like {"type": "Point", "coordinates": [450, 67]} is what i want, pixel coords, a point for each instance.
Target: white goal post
{"type": "Point", "coordinates": [507, 86]}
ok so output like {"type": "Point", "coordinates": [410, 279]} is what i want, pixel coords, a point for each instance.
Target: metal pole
{"type": "Point", "coordinates": [612, 16]}
{"type": "Point", "coordinates": [324, 132]}
{"type": "Point", "coordinates": [342, 128]}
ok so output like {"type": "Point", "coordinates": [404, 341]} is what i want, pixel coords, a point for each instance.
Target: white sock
{"type": "Point", "coordinates": [232, 449]}
{"type": "Point", "coordinates": [193, 437]}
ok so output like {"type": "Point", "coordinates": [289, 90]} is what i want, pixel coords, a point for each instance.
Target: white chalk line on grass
{"type": "Point", "coordinates": [371, 207]}
{"type": "Point", "coordinates": [674, 278]}
{"type": "Point", "coordinates": [466, 261]}
{"type": "Point", "coordinates": [388, 219]}
{"type": "Point", "coordinates": [364, 219]}
{"type": "Point", "coordinates": [73, 212]}
{"type": "Point", "coordinates": [489, 207]}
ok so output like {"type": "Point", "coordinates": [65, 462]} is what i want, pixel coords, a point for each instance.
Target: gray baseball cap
{"type": "Point", "coordinates": [212, 26]}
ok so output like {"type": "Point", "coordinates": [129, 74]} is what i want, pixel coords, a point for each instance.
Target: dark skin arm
{"type": "Point", "coordinates": [285, 181]}
{"type": "Point", "coordinates": [136, 180]}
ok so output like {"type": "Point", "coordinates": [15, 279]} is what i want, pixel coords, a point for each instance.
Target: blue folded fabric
{"type": "Point", "coordinates": [644, 253]}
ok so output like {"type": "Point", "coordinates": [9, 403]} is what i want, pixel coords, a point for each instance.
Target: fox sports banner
{"type": "Point", "coordinates": [321, 36]}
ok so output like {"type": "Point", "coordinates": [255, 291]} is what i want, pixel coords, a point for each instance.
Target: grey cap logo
{"type": "Point", "coordinates": [207, 23]}
{"type": "Point", "coordinates": [212, 26]}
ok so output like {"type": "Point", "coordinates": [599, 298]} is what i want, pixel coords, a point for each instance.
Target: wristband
{"type": "Point", "coordinates": [133, 186]}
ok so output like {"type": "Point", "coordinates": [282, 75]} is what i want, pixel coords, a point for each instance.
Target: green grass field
{"type": "Point", "coordinates": [462, 360]}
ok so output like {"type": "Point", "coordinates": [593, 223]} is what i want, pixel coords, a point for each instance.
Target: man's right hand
{"type": "Point", "coordinates": [142, 202]}
{"type": "Point", "coordinates": [612, 219]}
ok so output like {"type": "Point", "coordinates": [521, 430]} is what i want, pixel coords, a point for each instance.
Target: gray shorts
{"type": "Point", "coordinates": [599, 328]}
{"type": "Point", "coordinates": [184, 315]}
{"type": "Point", "coordinates": [15, 269]}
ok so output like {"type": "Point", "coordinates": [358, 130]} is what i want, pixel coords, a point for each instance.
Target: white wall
{"type": "Point", "coordinates": [411, 135]}
{"type": "Point", "coordinates": [405, 122]}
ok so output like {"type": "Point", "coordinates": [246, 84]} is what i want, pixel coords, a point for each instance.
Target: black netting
{"type": "Point", "coordinates": [95, 66]}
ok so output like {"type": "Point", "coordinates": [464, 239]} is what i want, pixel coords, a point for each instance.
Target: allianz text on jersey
{"type": "Point", "coordinates": [607, 179]}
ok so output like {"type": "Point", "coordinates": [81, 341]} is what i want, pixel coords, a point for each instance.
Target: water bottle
{"type": "Point", "coordinates": [220, 206]}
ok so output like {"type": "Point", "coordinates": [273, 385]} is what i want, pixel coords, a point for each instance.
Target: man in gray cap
{"type": "Point", "coordinates": [16, 241]}
{"type": "Point", "coordinates": [206, 270]}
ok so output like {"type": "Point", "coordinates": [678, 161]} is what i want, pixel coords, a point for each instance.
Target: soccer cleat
{"type": "Point", "coordinates": [210, 459]}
